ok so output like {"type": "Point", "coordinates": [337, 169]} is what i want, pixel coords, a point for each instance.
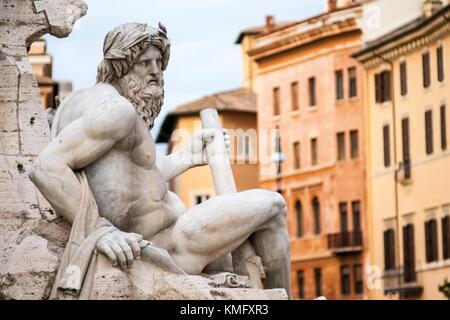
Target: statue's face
{"type": "Point", "coordinates": [149, 66]}
{"type": "Point", "coordinates": [61, 21]}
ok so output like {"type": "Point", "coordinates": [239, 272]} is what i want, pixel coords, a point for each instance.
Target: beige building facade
{"type": "Point", "coordinates": [310, 89]}
{"type": "Point", "coordinates": [408, 156]}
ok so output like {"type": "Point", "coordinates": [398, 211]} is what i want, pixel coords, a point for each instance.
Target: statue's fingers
{"type": "Point", "coordinates": [134, 244]}
{"type": "Point", "coordinates": [119, 254]}
{"type": "Point", "coordinates": [137, 236]}
{"type": "Point", "coordinates": [105, 249]}
{"type": "Point", "coordinates": [128, 253]}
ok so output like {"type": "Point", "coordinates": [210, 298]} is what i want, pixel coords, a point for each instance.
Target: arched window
{"type": "Point", "coordinates": [299, 211]}
{"type": "Point", "coordinates": [316, 211]}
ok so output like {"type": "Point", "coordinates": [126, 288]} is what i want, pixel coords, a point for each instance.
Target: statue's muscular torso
{"type": "Point", "coordinates": [130, 190]}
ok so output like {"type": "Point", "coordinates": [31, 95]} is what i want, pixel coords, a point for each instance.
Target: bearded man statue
{"type": "Point", "coordinates": [101, 172]}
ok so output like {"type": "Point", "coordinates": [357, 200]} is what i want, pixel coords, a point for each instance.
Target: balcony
{"type": "Point", "coordinates": [403, 281]}
{"type": "Point", "coordinates": [345, 242]}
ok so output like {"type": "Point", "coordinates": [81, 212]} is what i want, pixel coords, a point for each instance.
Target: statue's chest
{"type": "Point", "coordinates": [140, 147]}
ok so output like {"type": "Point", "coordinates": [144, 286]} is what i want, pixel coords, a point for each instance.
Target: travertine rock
{"type": "Point", "coordinates": [31, 240]}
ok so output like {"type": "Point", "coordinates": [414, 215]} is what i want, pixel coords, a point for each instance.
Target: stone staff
{"type": "Point", "coordinates": [245, 259]}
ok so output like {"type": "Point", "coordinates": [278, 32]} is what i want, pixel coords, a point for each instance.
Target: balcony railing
{"type": "Point", "coordinates": [345, 242]}
{"type": "Point", "coordinates": [402, 280]}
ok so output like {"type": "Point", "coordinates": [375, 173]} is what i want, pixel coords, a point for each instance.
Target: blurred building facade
{"type": "Point", "coordinates": [310, 89]}
{"type": "Point", "coordinates": [237, 113]}
{"type": "Point", "coordinates": [407, 71]}
{"type": "Point", "coordinates": [52, 92]}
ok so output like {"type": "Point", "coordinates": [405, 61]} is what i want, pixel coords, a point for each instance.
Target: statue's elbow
{"type": "Point", "coordinates": [36, 170]}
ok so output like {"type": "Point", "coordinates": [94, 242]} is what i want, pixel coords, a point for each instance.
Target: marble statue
{"type": "Point", "coordinates": [101, 172]}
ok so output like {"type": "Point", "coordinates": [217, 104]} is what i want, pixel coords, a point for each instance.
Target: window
{"type": "Point", "coordinates": [403, 79]}
{"type": "Point", "coordinates": [318, 281]}
{"type": "Point", "coordinates": [354, 144]}
{"type": "Point", "coordinates": [314, 151]}
{"type": "Point", "coordinates": [429, 132]}
{"type": "Point", "coordinates": [409, 261]}
{"type": "Point", "coordinates": [343, 216]}
{"type": "Point", "coordinates": [443, 128]}
{"type": "Point", "coordinates": [383, 86]}
{"type": "Point", "coordinates": [201, 198]}
{"type": "Point", "coordinates": [316, 211]}
{"type": "Point", "coordinates": [356, 213]}
{"type": "Point", "coordinates": [276, 101]}
{"type": "Point", "coordinates": [294, 96]}
{"type": "Point", "coordinates": [297, 157]}
{"type": "Point", "coordinates": [440, 63]}
{"type": "Point", "coordinates": [345, 280]}
{"type": "Point", "coordinates": [386, 146]}
{"type": "Point", "coordinates": [312, 91]}
{"type": "Point", "coordinates": [358, 278]}
{"type": "Point", "coordinates": [339, 84]}
{"type": "Point", "coordinates": [431, 245]}
{"type": "Point", "coordinates": [301, 284]}
{"type": "Point", "coordinates": [426, 69]}
{"type": "Point", "coordinates": [340, 138]}
{"type": "Point", "coordinates": [446, 237]}
{"type": "Point", "coordinates": [389, 249]}
{"type": "Point", "coordinates": [352, 83]}
{"type": "Point", "coordinates": [405, 149]}
{"type": "Point", "coordinates": [299, 210]}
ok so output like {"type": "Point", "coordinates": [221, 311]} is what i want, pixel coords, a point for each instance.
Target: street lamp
{"type": "Point", "coordinates": [277, 158]}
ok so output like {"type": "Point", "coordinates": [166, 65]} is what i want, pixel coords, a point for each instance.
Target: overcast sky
{"type": "Point", "coordinates": [204, 56]}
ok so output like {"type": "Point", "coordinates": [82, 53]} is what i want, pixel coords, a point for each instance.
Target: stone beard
{"type": "Point", "coordinates": [146, 95]}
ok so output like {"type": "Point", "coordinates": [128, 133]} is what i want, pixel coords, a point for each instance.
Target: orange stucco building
{"type": "Point", "coordinates": [310, 88]}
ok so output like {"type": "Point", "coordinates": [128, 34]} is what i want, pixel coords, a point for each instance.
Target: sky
{"type": "Point", "coordinates": [204, 56]}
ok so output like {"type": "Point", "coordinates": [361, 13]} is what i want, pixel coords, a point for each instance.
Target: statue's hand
{"type": "Point", "coordinates": [120, 247]}
{"type": "Point", "coordinates": [199, 141]}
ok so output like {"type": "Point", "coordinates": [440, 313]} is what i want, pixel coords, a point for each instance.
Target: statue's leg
{"type": "Point", "coordinates": [220, 225]}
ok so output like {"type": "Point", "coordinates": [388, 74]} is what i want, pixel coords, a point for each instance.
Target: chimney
{"type": "Point", "coordinates": [270, 23]}
{"type": "Point", "coordinates": [430, 7]}
{"type": "Point", "coordinates": [331, 5]}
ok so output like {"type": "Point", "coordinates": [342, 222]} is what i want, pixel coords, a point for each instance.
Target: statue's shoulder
{"type": "Point", "coordinates": [109, 113]}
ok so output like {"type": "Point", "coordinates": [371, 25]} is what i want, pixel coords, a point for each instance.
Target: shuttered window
{"type": "Point", "coordinates": [312, 91]}
{"type": "Point", "coordinates": [403, 78]}
{"type": "Point", "coordinates": [340, 140]}
{"type": "Point", "coordinates": [426, 69]}
{"type": "Point", "coordinates": [443, 128]}
{"type": "Point", "coordinates": [299, 210]}
{"type": "Point", "coordinates": [405, 148]}
{"type": "Point", "coordinates": [354, 144]}
{"type": "Point", "coordinates": [294, 96]}
{"type": "Point", "coordinates": [431, 245]}
{"type": "Point", "coordinates": [339, 74]}
{"type": "Point", "coordinates": [314, 151]}
{"type": "Point", "coordinates": [301, 284]}
{"type": "Point", "coordinates": [318, 281]}
{"type": "Point", "coordinates": [345, 280]}
{"type": "Point", "coordinates": [440, 63]}
{"type": "Point", "coordinates": [389, 249]}
{"type": "Point", "coordinates": [352, 82]}
{"type": "Point", "coordinates": [358, 278]}
{"type": "Point", "coordinates": [429, 132]}
{"type": "Point", "coordinates": [446, 237]}
{"type": "Point", "coordinates": [356, 214]}
{"type": "Point", "coordinates": [344, 216]}
{"type": "Point", "coordinates": [297, 158]}
{"type": "Point", "coordinates": [276, 101]}
{"type": "Point", "coordinates": [386, 146]}
{"type": "Point", "coordinates": [409, 262]}
{"type": "Point", "coordinates": [316, 212]}
{"type": "Point", "coordinates": [383, 86]}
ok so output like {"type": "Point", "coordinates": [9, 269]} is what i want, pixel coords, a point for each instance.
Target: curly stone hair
{"type": "Point", "coordinates": [119, 61]}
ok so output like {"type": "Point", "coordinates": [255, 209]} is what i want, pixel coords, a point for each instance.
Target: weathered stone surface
{"type": "Point", "coordinates": [112, 283]}
{"type": "Point", "coordinates": [31, 239]}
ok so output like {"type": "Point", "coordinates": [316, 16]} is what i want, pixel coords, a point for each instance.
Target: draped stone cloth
{"type": "Point", "coordinates": [75, 275]}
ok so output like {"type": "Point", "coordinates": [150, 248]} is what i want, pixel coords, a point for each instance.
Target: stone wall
{"type": "Point", "coordinates": [32, 237]}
